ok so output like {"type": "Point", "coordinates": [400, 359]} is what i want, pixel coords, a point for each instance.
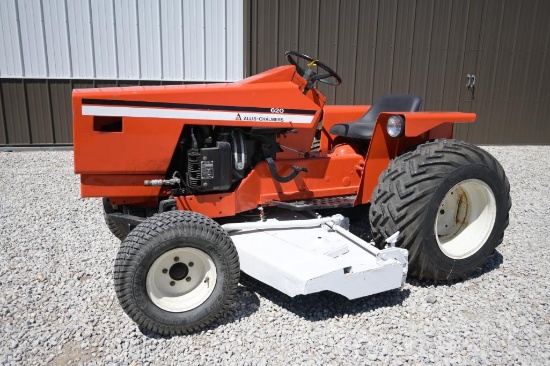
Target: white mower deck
{"type": "Point", "coordinates": [298, 255]}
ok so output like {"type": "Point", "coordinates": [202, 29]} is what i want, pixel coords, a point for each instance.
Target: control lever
{"type": "Point", "coordinates": [273, 169]}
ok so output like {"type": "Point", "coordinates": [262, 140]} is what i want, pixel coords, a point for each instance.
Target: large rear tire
{"type": "Point", "coordinates": [176, 272]}
{"type": "Point", "coordinates": [450, 201]}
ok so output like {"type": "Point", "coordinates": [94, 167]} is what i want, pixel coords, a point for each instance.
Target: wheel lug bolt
{"type": "Point", "coordinates": [176, 259]}
{"type": "Point", "coordinates": [172, 283]}
{"type": "Point", "coordinates": [165, 271]}
{"type": "Point", "coordinates": [442, 212]}
{"type": "Point", "coordinates": [191, 264]}
{"type": "Point", "coordinates": [188, 279]}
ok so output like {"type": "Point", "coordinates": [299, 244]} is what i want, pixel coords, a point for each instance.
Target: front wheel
{"type": "Point", "coordinates": [176, 272]}
{"type": "Point", "coordinates": [450, 200]}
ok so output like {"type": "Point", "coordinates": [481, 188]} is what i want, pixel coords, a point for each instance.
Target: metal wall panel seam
{"type": "Point", "coordinates": [392, 59]}
{"type": "Point", "coordinates": [92, 38]}
{"type": "Point", "coordinates": [204, 35]}
{"type": "Point", "coordinates": [298, 26]}
{"type": "Point", "coordinates": [543, 105]}
{"type": "Point", "coordinates": [529, 54]}
{"type": "Point", "coordinates": [140, 74]}
{"type": "Point", "coordinates": [542, 80]}
{"type": "Point", "coordinates": [115, 43]}
{"type": "Point", "coordinates": [478, 55]}
{"type": "Point", "coordinates": [4, 19]}
{"type": "Point", "coordinates": [172, 40]}
{"type": "Point", "coordinates": [38, 111]}
{"type": "Point", "coordinates": [494, 76]}
{"type": "Point", "coordinates": [277, 17]}
{"type": "Point", "coordinates": [332, 91]}
{"type": "Point", "coordinates": [49, 96]}
{"type": "Point", "coordinates": [234, 40]}
{"type": "Point", "coordinates": [520, 111]}
{"type": "Point", "coordinates": [68, 38]}
{"type": "Point", "coordinates": [411, 46]}
{"type": "Point", "coordinates": [317, 27]}
{"type": "Point", "coordinates": [513, 56]}
{"type": "Point", "coordinates": [355, 41]}
{"type": "Point", "coordinates": [225, 37]}
{"type": "Point", "coordinates": [425, 91]}
{"type": "Point", "coordinates": [16, 2]}
{"type": "Point", "coordinates": [160, 41]}
{"type": "Point", "coordinates": [373, 69]}
{"type": "Point", "coordinates": [26, 104]}
{"type": "Point", "coordinates": [446, 55]}
{"type": "Point", "coordinates": [29, 41]}
{"type": "Point", "coordinates": [215, 28]}
{"type": "Point", "coordinates": [3, 110]}
{"type": "Point", "coordinates": [44, 38]}
{"type": "Point", "coordinates": [183, 68]}
{"type": "Point", "coordinates": [534, 67]}
{"type": "Point", "coordinates": [465, 36]}
{"type": "Point", "coordinates": [253, 37]}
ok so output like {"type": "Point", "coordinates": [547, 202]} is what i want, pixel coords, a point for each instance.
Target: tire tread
{"type": "Point", "coordinates": [405, 188]}
{"type": "Point", "coordinates": [140, 240]}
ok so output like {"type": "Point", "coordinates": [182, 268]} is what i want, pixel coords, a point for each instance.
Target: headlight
{"type": "Point", "coordinates": [395, 126]}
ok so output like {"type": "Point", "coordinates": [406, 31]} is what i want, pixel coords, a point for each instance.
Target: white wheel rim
{"type": "Point", "coordinates": [181, 279]}
{"type": "Point", "coordinates": [465, 219]}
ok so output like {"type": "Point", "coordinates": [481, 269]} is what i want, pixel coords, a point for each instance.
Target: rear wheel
{"type": "Point", "coordinates": [450, 200]}
{"type": "Point", "coordinates": [176, 272]}
{"type": "Point", "coordinates": [118, 229]}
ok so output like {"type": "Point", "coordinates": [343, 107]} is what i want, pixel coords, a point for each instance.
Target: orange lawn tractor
{"type": "Point", "coordinates": [203, 181]}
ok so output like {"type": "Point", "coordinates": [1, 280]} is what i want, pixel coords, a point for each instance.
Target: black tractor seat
{"type": "Point", "coordinates": [364, 126]}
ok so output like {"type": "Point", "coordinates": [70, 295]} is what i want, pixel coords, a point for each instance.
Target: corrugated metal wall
{"type": "Point", "coordinates": [49, 47]}
{"type": "Point", "coordinates": [425, 47]}
{"type": "Point", "coordinates": [191, 40]}
{"type": "Point", "coordinates": [512, 68]}
{"type": "Point", "coordinates": [39, 112]}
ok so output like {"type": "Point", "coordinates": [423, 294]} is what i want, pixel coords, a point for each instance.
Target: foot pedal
{"type": "Point", "coordinates": [317, 203]}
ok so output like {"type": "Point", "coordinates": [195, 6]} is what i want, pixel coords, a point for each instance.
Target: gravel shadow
{"type": "Point", "coordinates": [245, 302]}
{"type": "Point", "coordinates": [492, 264]}
{"type": "Point", "coordinates": [325, 305]}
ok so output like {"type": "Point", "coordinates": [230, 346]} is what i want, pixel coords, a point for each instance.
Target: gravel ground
{"type": "Point", "coordinates": [58, 306]}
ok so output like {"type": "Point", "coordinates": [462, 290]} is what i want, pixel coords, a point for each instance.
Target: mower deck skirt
{"type": "Point", "coordinates": [298, 255]}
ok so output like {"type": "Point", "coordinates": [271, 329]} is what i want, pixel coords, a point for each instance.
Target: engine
{"type": "Point", "coordinates": [215, 159]}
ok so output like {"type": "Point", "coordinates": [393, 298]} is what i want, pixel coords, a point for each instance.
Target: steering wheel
{"type": "Point", "coordinates": [309, 75]}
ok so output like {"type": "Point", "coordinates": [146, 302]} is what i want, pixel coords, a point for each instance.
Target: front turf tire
{"type": "Point", "coordinates": [176, 272]}
{"type": "Point", "coordinates": [450, 201]}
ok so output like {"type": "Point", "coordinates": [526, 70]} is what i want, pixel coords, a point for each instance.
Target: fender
{"type": "Point", "coordinates": [419, 127]}
{"type": "Point", "coordinates": [417, 123]}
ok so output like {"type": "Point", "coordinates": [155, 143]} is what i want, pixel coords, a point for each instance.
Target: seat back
{"type": "Point", "coordinates": [392, 103]}
{"type": "Point", "coordinates": [363, 128]}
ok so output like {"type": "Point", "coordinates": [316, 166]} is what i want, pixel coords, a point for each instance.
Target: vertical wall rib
{"type": "Point", "coordinates": [122, 39]}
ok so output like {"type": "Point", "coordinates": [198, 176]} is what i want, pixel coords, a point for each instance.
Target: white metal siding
{"type": "Point", "coordinates": [32, 38]}
{"type": "Point", "coordinates": [10, 52]}
{"type": "Point", "coordinates": [127, 39]}
{"type": "Point", "coordinates": [190, 40]}
{"type": "Point", "coordinates": [194, 41]}
{"type": "Point", "coordinates": [57, 38]}
{"type": "Point", "coordinates": [81, 44]}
